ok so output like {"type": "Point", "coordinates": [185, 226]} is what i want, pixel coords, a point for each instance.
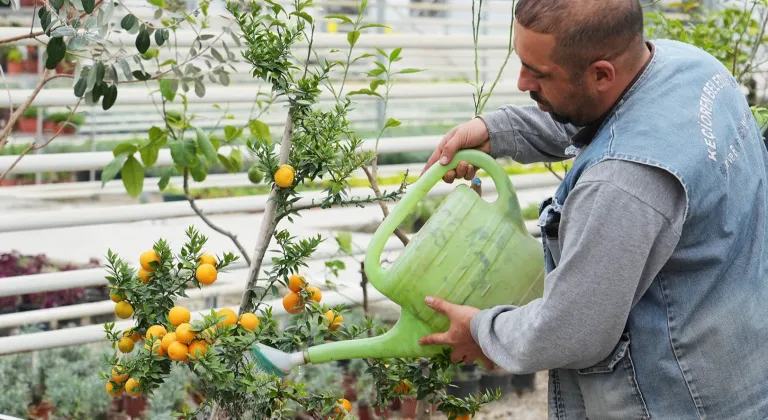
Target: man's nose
{"type": "Point", "coordinates": [526, 82]}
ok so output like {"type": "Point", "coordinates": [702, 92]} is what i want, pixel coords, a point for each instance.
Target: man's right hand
{"type": "Point", "coordinates": [470, 135]}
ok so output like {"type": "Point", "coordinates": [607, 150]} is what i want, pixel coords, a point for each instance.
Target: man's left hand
{"type": "Point", "coordinates": [459, 335]}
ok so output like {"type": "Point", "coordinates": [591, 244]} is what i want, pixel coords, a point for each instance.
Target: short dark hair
{"type": "Point", "coordinates": [584, 30]}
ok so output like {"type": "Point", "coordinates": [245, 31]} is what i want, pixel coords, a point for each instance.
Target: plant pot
{"type": "Point", "coordinates": [408, 408]}
{"type": "Point", "coordinates": [348, 384]}
{"type": "Point", "coordinates": [134, 406]}
{"type": "Point", "coordinates": [464, 388]}
{"type": "Point", "coordinates": [364, 411]}
{"type": "Point", "coordinates": [521, 383]}
{"type": "Point", "coordinates": [27, 125]}
{"type": "Point", "coordinates": [50, 126]}
{"type": "Point", "coordinates": [15, 67]}
{"type": "Point", "coordinates": [41, 411]}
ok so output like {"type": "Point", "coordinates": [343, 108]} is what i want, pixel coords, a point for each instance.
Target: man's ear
{"type": "Point", "coordinates": [603, 73]}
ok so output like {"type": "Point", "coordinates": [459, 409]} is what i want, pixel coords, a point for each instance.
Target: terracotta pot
{"type": "Point", "coordinates": [27, 125]}
{"type": "Point", "coordinates": [408, 408]}
{"type": "Point", "coordinates": [348, 383]}
{"type": "Point", "coordinates": [50, 126]}
{"type": "Point", "coordinates": [41, 411]}
{"type": "Point", "coordinates": [364, 412]}
{"type": "Point", "coordinates": [68, 129]}
{"type": "Point", "coordinates": [134, 406]}
{"type": "Point", "coordinates": [15, 67]}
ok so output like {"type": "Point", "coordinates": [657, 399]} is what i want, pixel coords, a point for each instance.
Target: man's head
{"type": "Point", "coordinates": [578, 55]}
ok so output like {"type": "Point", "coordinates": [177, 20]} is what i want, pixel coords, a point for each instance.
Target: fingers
{"type": "Point", "coordinates": [439, 149]}
{"type": "Point", "coordinates": [439, 305]}
{"type": "Point", "coordinates": [488, 363]}
{"type": "Point", "coordinates": [436, 338]}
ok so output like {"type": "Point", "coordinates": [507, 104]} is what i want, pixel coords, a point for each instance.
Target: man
{"type": "Point", "coordinates": [656, 297]}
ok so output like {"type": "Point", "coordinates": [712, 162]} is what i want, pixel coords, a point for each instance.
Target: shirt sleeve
{"type": "Point", "coordinates": [619, 226]}
{"type": "Point", "coordinates": [527, 134]}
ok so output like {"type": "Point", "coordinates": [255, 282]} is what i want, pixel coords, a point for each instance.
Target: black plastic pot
{"type": "Point", "coordinates": [499, 381]}
{"type": "Point", "coordinates": [522, 383]}
{"type": "Point", "coordinates": [464, 388]}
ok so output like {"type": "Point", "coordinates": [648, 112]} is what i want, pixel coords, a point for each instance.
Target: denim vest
{"type": "Point", "coordinates": [695, 346]}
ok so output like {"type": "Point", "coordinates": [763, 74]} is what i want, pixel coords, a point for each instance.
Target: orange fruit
{"type": "Point", "coordinates": [117, 296]}
{"type": "Point", "coordinates": [132, 387]}
{"type": "Point", "coordinates": [315, 293]}
{"type": "Point", "coordinates": [113, 390]}
{"type": "Point", "coordinates": [344, 403]}
{"type": "Point", "coordinates": [292, 303]}
{"type": "Point", "coordinates": [231, 317]}
{"type": "Point", "coordinates": [403, 388]}
{"type": "Point", "coordinates": [147, 257]}
{"type": "Point", "coordinates": [118, 375]}
{"type": "Point", "coordinates": [296, 282]}
{"type": "Point", "coordinates": [156, 331]}
{"type": "Point", "coordinates": [178, 351]}
{"type": "Point", "coordinates": [123, 310]}
{"type": "Point", "coordinates": [184, 333]}
{"type": "Point", "coordinates": [334, 320]}
{"type": "Point", "coordinates": [249, 321]}
{"type": "Point", "coordinates": [207, 259]}
{"type": "Point", "coordinates": [144, 275]}
{"type": "Point", "coordinates": [125, 345]}
{"type": "Point", "coordinates": [464, 417]}
{"type": "Point", "coordinates": [133, 335]}
{"type": "Point", "coordinates": [284, 176]}
{"type": "Point", "coordinates": [168, 339]}
{"type": "Point", "coordinates": [206, 274]}
{"type": "Point", "coordinates": [197, 346]}
{"type": "Point", "coordinates": [179, 315]}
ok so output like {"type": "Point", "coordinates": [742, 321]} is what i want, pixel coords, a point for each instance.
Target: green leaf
{"type": "Point", "coordinates": [392, 123]}
{"type": "Point", "coordinates": [142, 40]}
{"type": "Point", "coordinates": [149, 154]}
{"type": "Point", "coordinates": [133, 176]}
{"type": "Point", "coordinates": [56, 50]}
{"type": "Point", "coordinates": [77, 43]}
{"type": "Point", "coordinates": [204, 143]}
{"type": "Point", "coordinates": [183, 152]}
{"type": "Point", "coordinates": [125, 148]}
{"type": "Point", "coordinates": [376, 83]}
{"type": "Point", "coordinates": [199, 89]}
{"type": "Point", "coordinates": [344, 18]}
{"type": "Point", "coordinates": [165, 178]}
{"type": "Point", "coordinates": [217, 55]}
{"type": "Point", "coordinates": [305, 16]}
{"type": "Point", "coordinates": [227, 163]}
{"type": "Point", "coordinates": [200, 171]}
{"type": "Point", "coordinates": [395, 53]}
{"type": "Point", "coordinates": [140, 75]}
{"type": "Point", "coordinates": [158, 3]}
{"type": "Point", "coordinates": [110, 96]}
{"type": "Point", "coordinates": [344, 240]}
{"type": "Point", "coordinates": [63, 31]}
{"type": "Point", "coordinates": [161, 36]}
{"type": "Point", "coordinates": [236, 157]}
{"type": "Point", "coordinates": [373, 25]}
{"type": "Point", "coordinates": [128, 22]}
{"type": "Point", "coordinates": [352, 37]}
{"type": "Point", "coordinates": [113, 167]}
{"type": "Point", "coordinates": [88, 6]}
{"type": "Point", "coordinates": [408, 71]}
{"type": "Point", "coordinates": [80, 87]}
{"type": "Point", "coordinates": [364, 92]}
{"type": "Point", "coordinates": [168, 88]}
{"type": "Point", "coordinates": [156, 134]}
{"type": "Point", "coordinates": [376, 72]}
{"type": "Point", "coordinates": [260, 130]}
{"type": "Point", "coordinates": [232, 133]}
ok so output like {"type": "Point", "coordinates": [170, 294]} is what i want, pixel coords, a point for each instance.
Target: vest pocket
{"type": "Point", "coordinates": [609, 388]}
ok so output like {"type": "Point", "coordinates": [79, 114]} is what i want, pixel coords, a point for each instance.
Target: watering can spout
{"type": "Point", "coordinates": [402, 341]}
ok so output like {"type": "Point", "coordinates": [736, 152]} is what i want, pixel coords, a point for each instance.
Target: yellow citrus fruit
{"type": "Point", "coordinates": [133, 335]}
{"type": "Point", "coordinates": [113, 390]}
{"type": "Point", "coordinates": [249, 321]}
{"type": "Point", "coordinates": [207, 259]}
{"type": "Point", "coordinates": [123, 310]}
{"type": "Point", "coordinates": [118, 374]}
{"type": "Point", "coordinates": [147, 257]}
{"type": "Point", "coordinates": [178, 315]}
{"type": "Point", "coordinates": [178, 351]}
{"type": "Point", "coordinates": [206, 274]}
{"type": "Point", "coordinates": [284, 176]}
{"type": "Point", "coordinates": [156, 331]}
{"type": "Point", "coordinates": [184, 333]}
{"type": "Point", "coordinates": [197, 346]}
{"type": "Point", "coordinates": [464, 417]}
{"type": "Point", "coordinates": [315, 293]}
{"type": "Point", "coordinates": [292, 303]}
{"type": "Point", "coordinates": [334, 320]}
{"type": "Point", "coordinates": [231, 317]}
{"type": "Point", "coordinates": [296, 282]}
{"type": "Point", "coordinates": [125, 345]}
{"type": "Point", "coordinates": [403, 388]}
{"type": "Point", "coordinates": [168, 339]}
{"type": "Point", "coordinates": [132, 387]}
{"type": "Point", "coordinates": [209, 335]}
{"type": "Point", "coordinates": [144, 275]}
{"type": "Point", "coordinates": [117, 296]}
{"type": "Point", "coordinates": [344, 403]}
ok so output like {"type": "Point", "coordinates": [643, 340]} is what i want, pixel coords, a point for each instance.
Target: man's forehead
{"type": "Point", "coordinates": [534, 49]}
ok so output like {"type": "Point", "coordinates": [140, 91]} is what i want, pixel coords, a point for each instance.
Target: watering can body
{"type": "Point", "coordinates": [470, 252]}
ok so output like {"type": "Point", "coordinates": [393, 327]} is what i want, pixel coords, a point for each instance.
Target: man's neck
{"type": "Point", "coordinates": [629, 78]}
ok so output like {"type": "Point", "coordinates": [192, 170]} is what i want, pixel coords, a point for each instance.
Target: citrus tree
{"type": "Point", "coordinates": [317, 146]}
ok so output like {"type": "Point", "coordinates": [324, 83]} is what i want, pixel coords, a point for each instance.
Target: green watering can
{"type": "Point", "coordinates": [469, 252]}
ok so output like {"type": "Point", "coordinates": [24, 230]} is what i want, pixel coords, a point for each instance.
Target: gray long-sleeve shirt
{"type": "Point", "coordinates": [619, 226]}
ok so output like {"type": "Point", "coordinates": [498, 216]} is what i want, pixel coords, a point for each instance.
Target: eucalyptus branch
{"type": "Point", "coordinates": [40, 33]}
{"type": "Point", "coordinates": [741, 35]}
{"type": "Point", "coordinates": [510, 49]}
{"type": "Point", "coordinates": [16, 115]}
{"type": "Point", "coordinates": [549, 167]}
{"type": "Point", "coordinates": [32, 146]}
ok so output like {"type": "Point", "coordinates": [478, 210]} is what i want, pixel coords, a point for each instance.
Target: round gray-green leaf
{"type": "Point", "coordinates": [110, 95]}
{"type": "Point", "coordinates": [88, 6]}
{"type": "Point", "coordinates": [142, 41]}
{"type": "Point", "coordinates": [55, 51]}
{"type": "Point", "coordinates": [128, 22]}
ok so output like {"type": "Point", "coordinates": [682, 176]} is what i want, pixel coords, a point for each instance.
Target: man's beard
{"type": "Point", "coordinates": [560, 118]}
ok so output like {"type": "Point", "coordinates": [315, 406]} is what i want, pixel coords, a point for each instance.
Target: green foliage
{"type": "Point", "coordinates": [16, 371]}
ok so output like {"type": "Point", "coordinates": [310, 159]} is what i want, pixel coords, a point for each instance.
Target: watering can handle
{"type": "Point", "coordinates": [507, 202]}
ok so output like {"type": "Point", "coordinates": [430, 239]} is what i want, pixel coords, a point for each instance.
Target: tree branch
{"type": "Point", "coordinates": [40, 33]}
{"type": "Point", "coordinates": [375, 186]}
{"type": "Point", "coordinates": [16, 115]}
{"type": "Point", "coordinates": [208, 221]}
{"type": "Point", "coordinates": [549, 166]}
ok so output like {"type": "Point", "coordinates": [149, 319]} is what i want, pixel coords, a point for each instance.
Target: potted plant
{"type": "Point", "coordinates": [58, 121]}
{"type": "Point", "coordinates": [15, 61]}
{"type": "Point", "coordinates": [465, 382]}
{"type": "Point", "coordinates": [492, 380]}
{"type": "Point", "coordinates": [28, 121]}
{"type": "Point", "coordinates": [31, 63]}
